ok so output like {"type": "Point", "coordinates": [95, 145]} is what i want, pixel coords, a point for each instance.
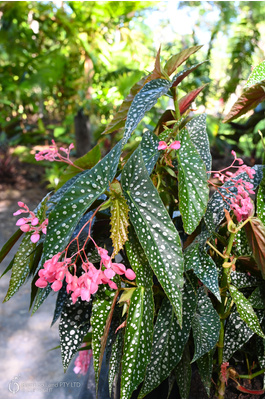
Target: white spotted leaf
{"type": "Point", "coordinates": [245, 310]}
{"type": "Point", "coordinates": [77, 199]}
{"type": "Point", "coordinates": [192, 184]}
{"type": "Point", "coordinates": [205, 326]}
{"type": "Point", "coordinates": [154, 228]}
{"type": "Point", "coordinates": [204, 267]}
{"type": "Point", "coordinates": [60, 302]}
{"type": "Point", "coordinates": [137, 340]}
{"type": "Point", "coordinates": [257, 75]}
{"type": "Point", "coordinates": [74, 325]}
{"type": "Point", "coordinates": [149, 150]}
{"type": "Point", "coordinates": [261, 201]}
{"type": "Point", "coordinates": [183, 373]}
{"type": "Point", "coordinates": [205, 365]}
{"type": "Point", "coordinates": [115, 360]}
{"type": "Point", "coordinates": [144, 100]}
{"type": "Point", "coordinates": [169, 340]}
{"type": "Point", "coordinates": [243, 280]}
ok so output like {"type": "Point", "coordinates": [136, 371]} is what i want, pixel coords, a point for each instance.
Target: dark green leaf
{"type": "Point", "coordinates": [137, 341]}
{"type": "Point", "coordinates": [241, 246]}
{"type": "Point", "coordinates": [183, 374]}
{"type": "Point", "coordinates": [261, 201]}
{"type": "Point", "coordinates": [245, 310]}
{"type": "Point", "coordinates": [74, 325]}
{"type": "Point", "coordinates": [257, 298]}
{"type": "Point", "coordinates": [149, 150]}
{"type": "Point", "coordinates": [193, 188]}
{"type": "Point", "coordinates": [260, 350]}
{"type": "Point", "coordinates": [115, 361]}
{"type": "Point", "coordinates": [9, 244]}
{"type": "Point", "coordinates": [154, 228]}
{"type": "Point", "coordinates": [242, 280]}
{"type": "Point", "coordinates": [60, 302]}
{"type": "Point", "coordinates": [205, 326]}
{"type": "Point", "coordinates": [205, 364]}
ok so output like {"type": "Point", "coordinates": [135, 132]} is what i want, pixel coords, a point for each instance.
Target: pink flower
{"type": "Point", "coordinates": [52, 154]}
{"type": "Point", "coordinates": [83, 361]}
{"type": "Point", "coordinates": [162, 145]}
{"type": "Point", "coordinates": [35, 237]}
{"type": "Point", "coordinates": [175, 145]}
{"type": "Point", "coordinates": [224, 372]}
{"type": "Point", "coordinates": [130, 274]}
{"type": "Point", "coordinates": [30, 224]}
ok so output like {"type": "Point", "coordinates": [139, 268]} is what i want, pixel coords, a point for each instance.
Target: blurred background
{"type": "Point", "coordinates": [65, 68]}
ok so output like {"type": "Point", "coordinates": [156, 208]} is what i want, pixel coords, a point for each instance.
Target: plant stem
{"type": "Point", "coordinates": [252, 375]}
{"type": "Point", "coordinates": [175, 98]}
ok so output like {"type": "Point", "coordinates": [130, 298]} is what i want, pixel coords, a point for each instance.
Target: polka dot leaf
{"type": "Point", "coordinates": [205, 365]}
{"type": "Point", "coordinates": [149, 150]}
{"type": "Point", "coordinates": [205, 326]}
{"type": "Point", "coordinates": [257, 75]}
{"type": "Point", "coordinates": [192, 184]}
{"type": "Point", "coordinates": [115, 360]}
{"type": "Point", "coordinates": [137, 340]}
{"type": "Point", "coordinates": [74, 325]}
{"type": "Point", "coordinates": [246, 310]}
{"type": "Point", "coordinates": [242, 280]}
{"type": "Point", "coordinates": [60, 302]}
{"type": "Point", "coordinates": [183, 373]}
{"type": "Point", "coordinates": [169, 340]}
{"type": "Point", "coordinates": [261, 201]}
{"type": "Point", "coordinates": [144, 100]}
{"type": "Point", "coordinates": [138, 260]}
{"type": "Point", "coordinates": [204, 267]}
{"type": "Point", "coordinates": [154, 228]}
{"type": "Point", "coordinates": [77, 199]}
{"type": "Point", "coordinates": [102, 306]}
{"type": "Point", "coordinates": [237, 333]}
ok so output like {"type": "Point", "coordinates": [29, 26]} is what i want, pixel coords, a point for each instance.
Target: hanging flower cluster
{"type": "Point", "coordinates": [53, 154]}
{"type": "Point", "coordinates": [30, 224]}
{"type": "Point", "coordinates": [240, 203]}
{"type": "Point", "coordinates": [82, 362]}
{"type": "Point", "coordinates": [173, 146]}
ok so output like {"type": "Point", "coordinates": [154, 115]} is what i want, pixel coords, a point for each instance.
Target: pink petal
{"type": "Point", "coordinates": [162, 145]}
{"type": "Point", "coordinates": [109, 273]}
{"type": "Point", "coordinates": [17, 212]}
{"type": "Point", "coordinates": [56, 285]}
{"type": "Point", "coordinates": [175, 145]}
{"type": "Point", "coordinates": [25, 228]}
{"type": "Point", "coordinates": [112, 285]}
{"type": "Point", "coordinates": [34, 221]}
{"type": "Point", "coordinates": [21, 221]}
{"type": "Point", "coordinates": [41, 283]}
{"type": "Point", "coordinates": [130, 274]}
{"type": "Point", "coordinates": [93, 288]}
{"type": "Point", "coordinates": [35, 237]}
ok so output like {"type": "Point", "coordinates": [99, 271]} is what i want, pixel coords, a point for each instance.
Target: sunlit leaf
{"type": "Point", "coordinates": [186, 101]}
{"type": "Point", "coordinates": [176, 60]}
{"type": "Point", "coordinates": [183, 74]}
{"type": "Point", "coordinates": [257, 75]}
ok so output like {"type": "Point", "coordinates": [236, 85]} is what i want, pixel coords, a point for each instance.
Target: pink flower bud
{"type": "Point", "coordinates": [130, 274]}
{"type": "Point", "coordinates": [34, 221]}
{"type": "Point", "coordinates": [41, 283]}
{"type": "Point", "coordinates": [175, 145]}
{"type": "Point", "coordinates": [56, 285]}
{"type": "Point", "coordinates": [162, 145]}
{"type": "Point", "coordinates": [21, 204]}
{"type": "Point", "coordinates": [21, 221]}
{"type": "Point", "coordinates": [35, 237]}
{"type": "Point", "coordinates": [17, 212]}
{"type": "Point", "coordinates": [112, 285]}
{"type": "Point", "coordinates": [25, 228]}
{"type": "Point", "coordinates": [233, 153]}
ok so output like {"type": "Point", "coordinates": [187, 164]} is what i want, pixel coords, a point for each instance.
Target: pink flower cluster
{"type": "Point", "coordinates": [30, 224]}
{"type": "Point", "coordinates": [241, 203]}
{"type": "Point", "coordinates": [83, 361]}
{"type": "Point", "coordinates": [173, 146]}
{"type": "Point", "coordinates": [52, 154]}
{"type": "Point", "coordinates": [224, 372]}
{"type": "Point", "coordinates": [54, 271]}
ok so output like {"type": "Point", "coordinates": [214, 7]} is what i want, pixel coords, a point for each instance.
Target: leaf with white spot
{"type": "Point", "coordinates": [205, 365]}
{"type": "Point", "coordinates": [198, 134]}
{"type": "Point", "coordinates": [245, 310]}
{"type": "Point", "coordinates": [115, 360]}
{"type": "Point", "coordinates": [77, 199]}
{"type": "Point", "coordinates": [74, 325]}
{"type": "Point", "coordinates": [149, 150]}
{"type": "Point", "coordinates": [257, 75]}
{"type": "Point", "coordinates": [169, 340]}
{"type": "Point", "coordinates": [204, 267]}
{"type": "Point", "coordinates": [261, 201]}
{"type": "Point", "coordinates": [257, 298]}
{"type": "Point", "coordinates": [144, 100]}
{"type": "Point", "coordinates": [21, 265]}
{"type": "Point", "coordinates": [242, 280]}
{"type": "Point", "coordinates": [183, 374]}
{"type": "Point", "coordinates": [138, 260]}
{"type": "Point", "coordinates": [154, 228]}
{"type": "Point", "coordinates": [100, 311]}
{"type": "Point", "coordinates": [237, 333]}
{"type": "Point", "coordinates": [137, 340]}
{"type": "Point", "coordinates": [183, 74]}
{"type": "Point", "coordinates": [241, 246]}
{"type": "Point", "coordinates": [205, 326]}
{"type": "Point", "coordinates": [192, 184]}
{"type": "Point", "coordinates": [60, 302]}
{"type": "Point", "coordinates": [260, 351]}
{"type": "Point", "coordinates": [215, 209]}
{"type": "Point", "coordinates": [119, 217]}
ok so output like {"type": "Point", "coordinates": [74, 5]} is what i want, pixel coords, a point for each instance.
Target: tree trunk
{"type": "Point", "coordinates": [82, 133]}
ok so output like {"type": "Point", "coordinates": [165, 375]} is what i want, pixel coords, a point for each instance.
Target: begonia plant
{"type": "Point", "coordinates": [157, 260]}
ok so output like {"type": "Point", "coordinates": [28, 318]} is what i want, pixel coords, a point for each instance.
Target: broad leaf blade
{"type": "Point", "coordinates": [257, 75]}
{"type": "Point", "coordinates": [115, 361]}
{"type": "Point", "coordinates": [205, 326]}
{"type": "Point", "coordinates": [261, 201]}
{"type": "Point", "coordinates": [193, 187]}
{"type": "Point", "coordinates": [255, 232]}
{"type": "Point", "coordinates": [183, 374]}
{"type": "Point", "coordinates": [176, 60]}
{"type": "Point", "coordinates": [9, 244]}
{"type": "Point", "coordinates": [74, 325]}
{"type": "Point", "coordinates": [205, 364]}
{"type": "Point", "coordinates": [245, 310]}
{"type": "Point", "coordinates": [154, 228]}
{"type": "Point", "coordinates": [137, 341]}
{"type": "Point", "coordinates": [60, 302]}
{"type": "Point", "coordinates": [183, 74]}
{"type": "Point", "coordinates": [77, 199]}
{"type": "Point", "coordinates": [185, 101]}
{"type": "Point", "coordinates": [144, 100]}
{"type": "Point", "coordinates": [243, 280]}
{"type": "Point", "coordinates": [149, 150]}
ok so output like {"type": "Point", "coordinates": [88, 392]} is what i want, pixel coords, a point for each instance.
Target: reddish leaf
{"type": "Point", "coordinates": [181, 75]}
{"type": "Point", "coordinates": [245, 390]}
{"type": "Point", "coordinates": [250, 98]}
{"type": "Point", "coordinates": [157, 72]}
{"type": "Point", "coordinates": [185, 101]}
{"type": "Point", "coordinates": [255, 232]}
{"type": "Point", "coordinates": [179, 58]}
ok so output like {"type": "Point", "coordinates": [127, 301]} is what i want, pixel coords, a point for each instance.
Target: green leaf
{"type": "Point", "coordinates": [261, 201]}
{"type": "Point", "coordinates": [257, 298]}
{"type": "Point", "coordinates": [9, 244]}
{"type": "Point", "coordinates": [245, 310]}
{"type": "Point", "coordinates": [21, 265]}
{"type": "Point", "coordinates": [149, 150]}
{"type": "Point", "coordinates": [183, 374]}
{"type": "Point", "coordinates": [100, 311]}
{"type": "Point", "coordinates": [255, 231]}
{"type": "Point", "coordinates": [205, 326]}
{"type": "Point", "coordinates": [176, 60]}
{"type": "Point", "coordinates": [41, 295]}
{"type": "Point", "coordinates": [74, 325]}
{"type": "Point", "coordinates": [60, 302]}
{"type": "Point", "coordinates": [257, 75]}
{"type": "Point", "coordinates": [144, 100]}
{"type": "Point", "coordinates": [205, 365]}
{"type": "Point", "coordinates": [87, 161]}
{"type": "Point", "coordinates": [260, 351]}
{"type": "Point", "coordinates": [77, 199]}
{"type": "Point", "coordinates": [119, 217]}
{"type": "Point", "coordinates": [154, 228]}
{"type": "Point", "coordinates": [237, 333]}
{"type": "Point", "coordinates": [204, 267]}
{"type": "Point", "coordinates": [169, 340]}
{"type": "Point", "coordinates": [192, 188]}
{"type": "Point", "coordinates": [183, 74]}
{"type": "Point", "coordinates": [138, 260]}
{"type": "Point", "coordinates": [241, 246]}
{"type": "Point", "coordinates": [242, 280]}
{"type": "Point", "coordinates": [115, 361]}
{"type": "Point", "coordinates": [250, 98]}
{"type": "Point", "coordinates": [198, 134]}
{"type": "Point", "coordinates": [137, 341]}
